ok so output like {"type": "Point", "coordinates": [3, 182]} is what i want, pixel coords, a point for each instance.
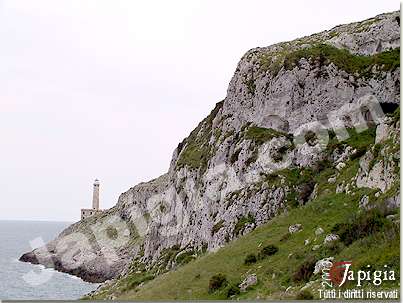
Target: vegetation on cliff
{"type": "Point", "coordinates": [195, 150]}
{"type": "Point", "coordinates": [325, 54]}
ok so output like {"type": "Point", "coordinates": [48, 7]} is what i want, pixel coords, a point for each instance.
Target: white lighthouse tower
{"type": "Point", "coordinates": [95, 195]}
{"type": "Point", "coordinates": [88, 212]}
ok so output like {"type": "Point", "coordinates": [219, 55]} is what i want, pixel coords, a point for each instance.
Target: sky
{"type": "Point", "coordinates": [107, 89]}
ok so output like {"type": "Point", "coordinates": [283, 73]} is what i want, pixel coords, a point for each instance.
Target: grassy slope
{"type": "Point", "coordinates": [184, 284]}
{"type": "Point", "coordinates": [191, 281]}
{"type": "Point", "coordinates": [275, 273]}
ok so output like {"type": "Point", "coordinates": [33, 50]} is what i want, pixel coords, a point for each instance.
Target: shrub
{"type": "Point", "coordinates": [249, 219]}
{"type": "Point", "coordinates": [310, 138]}
{"type": "Point", "coordinates": [112, 232]}
{"type": "Point", "coordinates": [359, 153]}
{"type": "Point", "coordinates": [321, 166]}
{"type": "Point", "coordinates": [396, 115]}
{"type": "Point", "coordinates": [233, 290]}
{"type": "Point", "coordinates": [250, 84]}
{"type": "Point", "coordinates": [234, 156]}
{"type": "Point", "coordinates": [278, 156]}
{"type": "Point", "coordinates": [269, 250]}
{"type": "Point", "coordinates": [360, 226]}
{"type": "Point", "coordinates": [305, 270]}
{"type": "Point", "coordinates": [217, 227]}
{"type": "Point", "coordinates": [216, 282]}
{"type": "Point", "coordinates": [304, 191]}
{"type": "Point", "coordinates": [334, 247]}
{"type": "Point", "coordinates": [252, 158]}
{"type": "Point", "coordinates": [304, 295]}
{"type": "Point", "coordinates": [136, 280]}
{"type": "Point", "coordinates": [250, 259]}
{"type": "Point", "coordinates": [285, 237]}
{"type": "Point", "coordinates": [185, 257]}
{"type": "Point", "coordinates": [162, 208]}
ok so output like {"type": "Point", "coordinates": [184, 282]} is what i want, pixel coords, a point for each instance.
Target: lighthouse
{"type": "Point", "coordinates": [95, 195]}
{"type": "Point", "coordinates": [88, 212]}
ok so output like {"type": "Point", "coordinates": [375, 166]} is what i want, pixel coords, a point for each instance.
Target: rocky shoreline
{"type": "Point", "coordinates": [58, 266]}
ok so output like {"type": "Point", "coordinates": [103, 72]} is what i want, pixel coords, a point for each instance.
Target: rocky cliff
{"type": "Point", "coordinates": [254, 156]}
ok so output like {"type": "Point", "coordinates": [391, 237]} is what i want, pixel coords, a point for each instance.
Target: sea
{"type": "Point", "coordinates": [24, 281]}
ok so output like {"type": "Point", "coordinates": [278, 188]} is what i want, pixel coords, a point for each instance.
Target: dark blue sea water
{"type": "Point", "coordinates": [24, 281]}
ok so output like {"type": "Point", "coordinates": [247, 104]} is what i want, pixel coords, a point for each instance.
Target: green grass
{"type": "Point", "coordinates": [261, 135]}
{"type": "Point", "coordinates": [195, 151]}
{"type": "Point", "coordinates": [325, 54]}
{"type": "Point", "coordinates": [195, 155]}
{"type": "Point", "coordinates": [242, 222]}
{"type": "Point", "coordinates": [183, 284]}
{"type": "Point", "coordinates": [251, 86]}
{"type": "Point", "coordinates": [343, 59]}
{"type": "Point", "coordinates": [396, 115]}
{"type": "Point", "coordinates": [253, 157]}
{"type": "Point", "coordinates": [362, 139]}
{"type": "Point", "coordinates": [217, 227]}
{"type": "Point", "coordinates": [275, 273]}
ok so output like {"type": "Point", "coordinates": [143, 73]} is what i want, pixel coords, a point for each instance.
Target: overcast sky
{"type": "Point", "coordinates": [107, 89]}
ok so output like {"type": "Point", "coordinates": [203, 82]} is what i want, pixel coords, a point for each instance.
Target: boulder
{"type": "Point", "coordinates": [315, 247]}
{"type": "Point", "coordinates": [330, 238]}
{"type": "Point", "coordinates": [294, 228]}
{"type": "Point", "coordinates": [319, 231]}
{"type": "Point", "coordinates": [340, 166]}
{"type": "Point", "coordinates": [364, 202]}
{"type": "Point", "coordinates": [323, 264]}
{"type": "Point", "coordinates": [248, 282]}
{"type": "Point", "coordinates": [331, 180]}
{"type": "Point", "coordinates": [393, 202]}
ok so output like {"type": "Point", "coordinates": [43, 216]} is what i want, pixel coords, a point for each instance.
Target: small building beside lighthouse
{"type": "Point", "coordinates": [88, 212]}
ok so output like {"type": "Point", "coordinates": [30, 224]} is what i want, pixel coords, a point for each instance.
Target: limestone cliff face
{"type": "Point", "coordinates": [219, 185]}
{"type": "Point", "coordinates": [279, 80]}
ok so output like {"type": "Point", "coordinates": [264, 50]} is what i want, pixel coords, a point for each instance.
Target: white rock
{"type": "Point", "coordinates": [380, 175]}
{"type": "Point", "coordinates": [323, 264]}
{"type": "Point", "coordinates": [319, 231]}
{"type": "Point", "coordinates": [393, 202]}
{"type": "Point", "coordinates": [316, 247]}
{"type": "Point", "coordinates": [249, 281]}
{"type": "Point", "coordinates": [391, 217]}
{"type": "Point", "coordinates": [340, 188]}
{"type": "Point", "coordinates": [364, 202]}
{"type": "Point", "coordinates": [340, 166]}
{"type": "Point", "coordinates": [295, 228]}
{"type": "Point", "coordinates": [330, 238]}
{"type": "Point", "coordinates": [331, 180]}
